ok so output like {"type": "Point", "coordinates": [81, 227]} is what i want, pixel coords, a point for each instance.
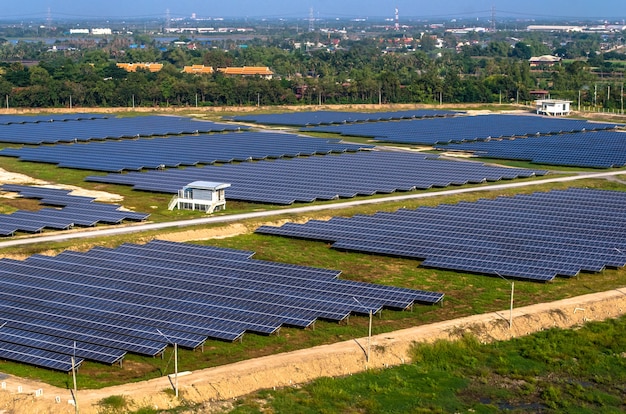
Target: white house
{"type": "Point", "coordinates": [204, 196]}
{"type": "Point", "coordinates": [553, 107]}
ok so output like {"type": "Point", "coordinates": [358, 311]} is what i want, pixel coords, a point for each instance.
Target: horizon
{"type": "Point", "coordinates": [321, 9]}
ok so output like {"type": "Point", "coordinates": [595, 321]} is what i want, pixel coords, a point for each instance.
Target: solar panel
{"type": "Point", "coordinates": [34, 119]}
{"type": "Point", "coordinates": [463, 128]}
{"type": "Point", "coordinates": [286, 181]}
{"type": "Point", "coordinates": [74, 211]}
{"type": "Point", "coordinates": [39, 357]}
{"type": "Point", "coordinates": [337, 117]}
{"type": "Point", "coordinates": [602, 149]}
{"type": "Point", "coordinates": [107, 128]}
{"type": "Point", "coordinates": [112, 301]}
{"type": "Point", "coordinates": [189, 150]}
{"type": "Point", "coordinates": [533, 237]}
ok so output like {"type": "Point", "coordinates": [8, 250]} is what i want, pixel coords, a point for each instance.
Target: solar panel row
{"type": "Point", "coordinates": [463, 128]}
{"type": "Point", "coordinates": [603, 149]}
{"type": "Point", "coordinates": [286, 181]}
{"type": "Point", "coordinates": [112, 301]}
{"type": "Point", "coordinates": [156, 153]}
{"type": "Point", "coordinates": [107, 128]}
{"type": "Point", "coordinates": [34, 119]}
{"type": "Point", "coordinates": [75, 211]}
{"type": "Point", "coordinates": [534, 237]}
{"type": "Point", "coordinates": [336, 117]}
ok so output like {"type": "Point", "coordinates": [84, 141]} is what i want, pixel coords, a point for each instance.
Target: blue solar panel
{"type": "Point", "coordinates": [534, 237]}
{"type": "Point", "coordinates": [158, 153]}
{"type": "Point", "coordinates": [603, 149]}
{"type": "Point", "coordinates": [112, 301]}
{"type": "Point", "coordinates": [39, 357]}
{"type": "Point", "coordinates": [323, 178]}
{"type": "Point", "coordinates": [74, 211]}
{"type": "Point", "coordinates": [463, 128]}
{"type": "Point", "coordinates": [34, 119]}
{"type": "Point", "coordinates": [336, 117]}
{"type": "Point", "coordinates": [107, 128]}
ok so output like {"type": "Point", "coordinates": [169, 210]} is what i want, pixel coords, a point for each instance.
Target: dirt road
{"type": "Point", "coordinates": [344, 358]}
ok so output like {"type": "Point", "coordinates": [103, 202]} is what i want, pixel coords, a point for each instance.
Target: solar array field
{"type": "Point", "coordinates": [112, 301]}
{"type": "Point", "coordinates": [90, 129]}
{"type": "Point", "coordinates": [286, 181]}
{"type": "Point", "coordinates": [462, 128]}
{"type": "Point", "coordinates": [533, 237]}
{"type": "Point", "coordinates": [336, 117]}
{"type": "Point", "coordinates": [73, 211]}
{"type": "Point", "coordinates": [603, 149]}
{"type": "Point", "coordinates": [155, 153]}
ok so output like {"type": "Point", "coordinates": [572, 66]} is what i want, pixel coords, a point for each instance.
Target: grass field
{"type": "Point", "coordinates": [574, 371]}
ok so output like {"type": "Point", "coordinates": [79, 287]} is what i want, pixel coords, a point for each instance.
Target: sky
{"type": "Point", "coordinates": [539, 9]}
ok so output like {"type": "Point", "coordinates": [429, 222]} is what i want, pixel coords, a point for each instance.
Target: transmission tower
{"type": "Point", "coordinates": [397, 25]}
{"type": "Point", "coordinates": [493, 19]}
{"type": "Point", "coordinates": [167, 19]}
{"type": "Point", "coordinates": [311, 20]}
{"type": "Point", "coordinates": [49, 18]}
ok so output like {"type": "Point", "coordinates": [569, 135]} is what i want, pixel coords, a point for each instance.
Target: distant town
{"type": "Point", "coordinates": [205, 61]}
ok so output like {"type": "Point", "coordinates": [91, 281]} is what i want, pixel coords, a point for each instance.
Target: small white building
{"type": "Point", "coordinates": [204, 196]}
{"type": "Point", "coordinates": [553, 107]}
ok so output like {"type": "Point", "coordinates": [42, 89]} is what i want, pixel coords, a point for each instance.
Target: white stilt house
{"type": "Point", "coordinates": [553, 107]}
{"type": "Point", "coordinates": [204, 196]}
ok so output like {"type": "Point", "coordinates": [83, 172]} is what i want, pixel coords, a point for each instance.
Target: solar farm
{"type": "Point", "coordinates": [101, 128]}
{"type": "Point", "coordinates": [286, 181]}
{"type": "Point", "coordinates": [173, 152]}
{"type": "Point", "coordinates": [463, 128]}
{"type": "Point", "coordinates": [65, 212]}
{"type": "Point", "coordinates": [601, 149]}
{"type": "Point", "coordinates": [532, 237]}
{"type": "Point", "coordinates": [137, 298]}
{"type": "Point", "coordinates": [302, 119]}
{"type": "Point", "coordinates": [106, 302]}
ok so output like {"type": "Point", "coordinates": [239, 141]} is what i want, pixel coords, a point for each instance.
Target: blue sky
{"type": "Point", "coordinates": [24, 9]}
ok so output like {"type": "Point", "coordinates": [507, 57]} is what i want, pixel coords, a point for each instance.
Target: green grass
{"type": "Point", "coordinates": [577, 371]}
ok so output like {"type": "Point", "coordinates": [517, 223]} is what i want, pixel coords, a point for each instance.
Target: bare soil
{"type": "Point", "coordinates": [215, 387]}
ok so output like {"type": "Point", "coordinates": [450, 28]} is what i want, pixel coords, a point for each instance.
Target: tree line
{"type": "Point", "coordinates": [359, 72]}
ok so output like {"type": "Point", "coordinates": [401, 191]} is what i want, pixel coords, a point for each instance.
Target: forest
{"type": "Point", "coordinates": [481, 70]}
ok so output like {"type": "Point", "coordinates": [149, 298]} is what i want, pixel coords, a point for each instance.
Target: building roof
{"type": "Point", "coordinates": [132, 67]}
{"type": "Point", "coordinates": [552, 101]}
{"type": "Point", "coordinates": [247, 70]}
{"type": "Point", "coordinates": [545, 59]}
{"type": "Point", "coordinates": [200, 69]}
{"type": "Point", "coordinates": [207, 185]}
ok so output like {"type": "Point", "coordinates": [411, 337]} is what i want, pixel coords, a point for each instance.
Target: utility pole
{"type": "Point", "coordinates": [369, 334]}
{"type": "Point", "coordinates": [311, 20]}
{"type": "Point", "coordinates": [74, 378]}
{"type": "Point", "coordinates": [175, 361]}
